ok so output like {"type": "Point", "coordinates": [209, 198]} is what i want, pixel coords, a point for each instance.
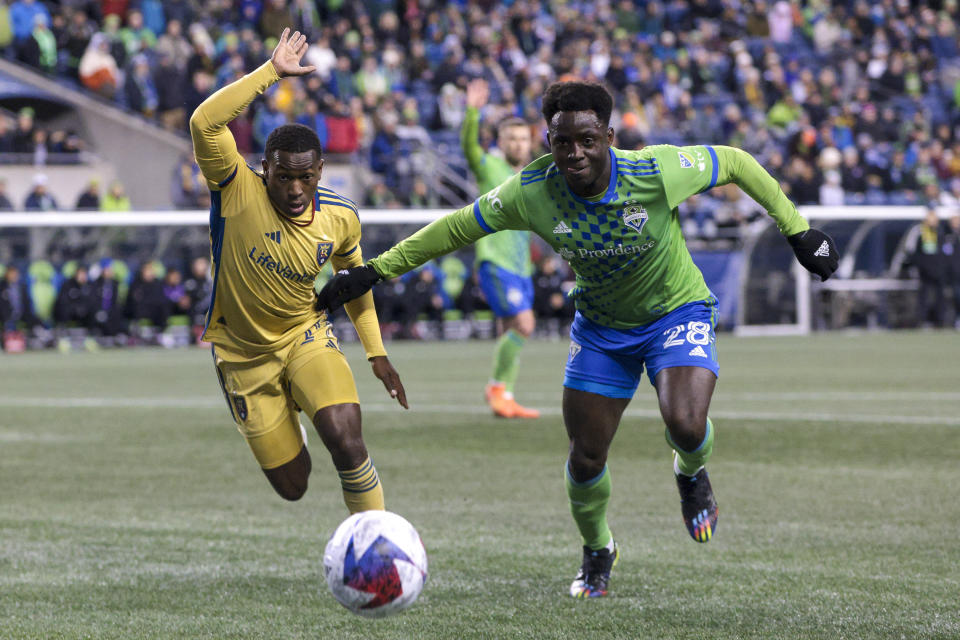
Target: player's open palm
{"type": "Point", "coordinates": [477, 93]}
{"type": "Point", "coordinates": [286, 57]}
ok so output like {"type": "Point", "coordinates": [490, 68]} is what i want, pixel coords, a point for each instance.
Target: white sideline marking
{"type": "Point", "coordinates": [214, 402]}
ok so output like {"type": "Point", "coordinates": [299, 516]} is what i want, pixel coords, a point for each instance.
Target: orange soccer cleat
{"type": "Point", "coordinates": [503, 405]}
{"type": "Point", "coordinates": [521, 411]}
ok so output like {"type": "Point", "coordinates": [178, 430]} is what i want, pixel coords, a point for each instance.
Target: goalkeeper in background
{"type": "Point", "coordinates": [503, 263]}
{"type": "Point", "coordinates": [641, 301]}
{"type": "Point", "coordinates": [271, 233]}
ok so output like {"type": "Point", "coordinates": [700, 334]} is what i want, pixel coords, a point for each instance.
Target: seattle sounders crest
{"type": "Point", "coordinates": [635, 216]}
{"type": "Point", "coordinates": [323, 252]}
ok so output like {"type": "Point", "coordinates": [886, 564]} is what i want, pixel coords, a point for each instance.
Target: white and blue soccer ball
{"type": "Point", "coordinates": [375, 564]}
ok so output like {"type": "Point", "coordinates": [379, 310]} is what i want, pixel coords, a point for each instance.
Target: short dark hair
{"type": "Point", "coordinates": [293, 138]}
{"type": "Point", "coordinates": [577, 96]}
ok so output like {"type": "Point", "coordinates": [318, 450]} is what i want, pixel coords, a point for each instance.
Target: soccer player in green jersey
{"type": "Point", "coordinates": [503, 259]}
{"type": "Point", "coordinates": [640, 299]}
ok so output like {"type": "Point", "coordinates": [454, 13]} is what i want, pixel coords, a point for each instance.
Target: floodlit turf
{"type": "Point", "coordinates": [131, 508]}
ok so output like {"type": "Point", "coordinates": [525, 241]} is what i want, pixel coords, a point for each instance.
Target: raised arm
{"type": "Point", "coordinates": [213, 144]}
{"type": "Point", "coordinates": [477, 93]}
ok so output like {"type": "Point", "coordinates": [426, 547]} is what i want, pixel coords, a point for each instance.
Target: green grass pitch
{"type": "Point", "coordinates": [131, 507]}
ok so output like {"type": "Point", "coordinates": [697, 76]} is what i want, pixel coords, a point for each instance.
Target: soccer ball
{"type": "Point", "coordinates": [375, 564]}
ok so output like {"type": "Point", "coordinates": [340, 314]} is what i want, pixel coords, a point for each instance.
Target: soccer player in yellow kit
{"type": "Point", "coordinates": [270, 235]}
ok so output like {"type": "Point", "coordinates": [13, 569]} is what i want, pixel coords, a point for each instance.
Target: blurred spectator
{"type": "Point", "coordinates": [175, 293]}
{"type": "Point", "coordinates": [23, 15]}
{"type": "Point", "coordinates": [115, 199]}
{"type": "Point", "coordinates": [549, 290]}
{"type": "Point", "coordinates": [169, 80]}
{"type": "Point", "coordinates": [6, 29]}
{"type": "Point", "coordinates": [16, 306]}
{"type": "Point", "coordinates": [274, 18]}
{"type": "Point", "coordinates": [98, 68]}
{"type": "Point", "coordinates": [267, 119]}
{"type": "Point", "coordinates": [135, 37]}
{"type": "Point", "coordinates": [173, 45]}
{"type": "Point", "coordinates": [831, 191]}
{"type": "Point", "coordinates": [311, 117]}
{"type": "Point", "coordinates": [39, 199]}
{"type": "Point", "coordinates": [23, 135]}
{"type": "Point", "coordinates": [200, 87]}
{"type": "Point", "coordinates": [803, 182]}
{"type": "Point", "coordinates": [928, 258]}
{"type": "Point", "coordinates": [198, 288]}
{"type": "Point", "coordinates": [139, 88]}
{"type": "Point", "coordinates": [189, 188]}
{"type": "Point", "coordinates": [38, 148]}
{"type": "Point", "coordinates": [146, 300]}
{"type": "Point", "coordinates": [89, 199]}
{"type": "Point", "coordinates": [75, 304]}
{"type": "Point", "coordinates": [5, 204]}
{"type": "Point", "coordinates": [383, 151]}
{"type": "Point", "coordinates": [6, 134]}
{"type": "Point", "coordinates": [40, 49]}
{"type": "Point", "coordinates": [951, 252]}
{"type": "Point", "coordinates": [471, 298]}
{"type": "Point", "coordinates": [107, 311]}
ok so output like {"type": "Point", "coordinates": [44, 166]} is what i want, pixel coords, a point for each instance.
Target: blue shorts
{"type": "Point", "coordinates": [507, 293]}
{"type": "Point", "coordinates": [610, 362]}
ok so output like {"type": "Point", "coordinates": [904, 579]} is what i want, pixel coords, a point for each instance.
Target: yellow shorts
{"type": "Point", "coordinates": [265, 391]}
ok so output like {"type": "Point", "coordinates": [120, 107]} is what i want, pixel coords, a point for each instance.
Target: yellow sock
{"type": "Point", "coordinates": [361, 488]}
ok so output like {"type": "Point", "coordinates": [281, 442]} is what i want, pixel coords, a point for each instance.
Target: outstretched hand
{"type": "Point", "coordinates": [290, 50]}
{"type": "Point", "coordinates": [390, 378]}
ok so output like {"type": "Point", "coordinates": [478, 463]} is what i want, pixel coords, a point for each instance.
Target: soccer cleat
{"type": "Point", "coordinates": [500, 403]}
{"type": "Point", "coordinates": [594, 574]}
{"type": "Point", "coordinates": [520, 411]}
{"type": "Point", "coordinates": [503, 405]}
{"type": "Point", "coordinates": [697, 505]}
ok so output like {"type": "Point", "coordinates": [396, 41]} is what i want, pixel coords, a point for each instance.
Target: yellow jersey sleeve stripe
{"type": "Point", "coordinates": [217, 222]}
{"type": "Point", "coordinates": [338, 204]}
{"type": "Point", "coordinates": [333, 194]}
{"type": "Point", "coordinates": [344, 255]}
{"type": "Point", "coordinates": [228, 179]}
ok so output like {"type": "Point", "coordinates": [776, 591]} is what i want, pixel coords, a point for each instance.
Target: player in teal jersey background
{"type": "Point", "coordinates": [641, 301]}
{"type": "Point", "coordinates": [503, 263]}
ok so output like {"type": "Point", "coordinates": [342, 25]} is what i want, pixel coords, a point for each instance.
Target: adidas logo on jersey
{"type": "Point", "coordinates": [823, 251]}
{"type": "Point", "coordinates": [698, 351]}
{"type": "Point", "coordinates": [562, 228]}
{"type": "Point", "coordinates": [273, 235]}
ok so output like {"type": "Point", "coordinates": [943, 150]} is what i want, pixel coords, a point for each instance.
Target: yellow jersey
{"type": "Point", "coordinates": [264, 263]}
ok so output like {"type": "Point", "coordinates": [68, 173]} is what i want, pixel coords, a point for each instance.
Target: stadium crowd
{"type": "Point", "coordinates": [844, 101]}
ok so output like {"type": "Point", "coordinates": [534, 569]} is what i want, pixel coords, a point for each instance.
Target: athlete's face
{"type": "Point", "coordinates": [580, 145]}
{"type": "Point", "coordinates": [292, 180]}
{"type": "Point", "coordinates": [516, 142]}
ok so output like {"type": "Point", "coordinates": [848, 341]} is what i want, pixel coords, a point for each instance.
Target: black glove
{"type": "Point", "coordinates": [346, 285]}
{"type": "Point", "coordinates": [816, 252]}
